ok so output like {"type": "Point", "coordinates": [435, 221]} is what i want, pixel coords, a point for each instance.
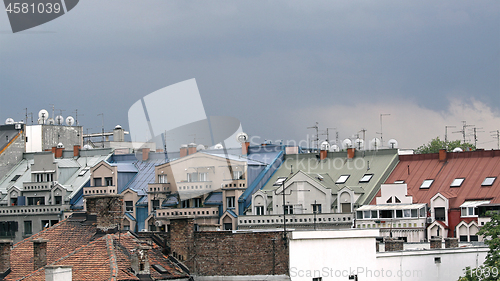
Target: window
{"type": "Point", "coordinates": [97, 181]}
{"type": "Point", "coordinates": [386, 214]}
{"type": "Point", "coordinates": [366, 178]}
{"type": "Point", "coordinates": [36, 200]}
{"type": "Point", "coordinates": [58, 200]}
{"type": "Point", "coordinates": [109, 181]}
{"type": "Point", "coordinates": [288, 209]}
{"type": "Point", "coordinates": [488, 181]}
{"type": "Point", "coordinates": [185, 203]}
{"type": "Point", "coordinates": [259, 210]}
{"type": "Point", "coordinates": [230, 204]}
{"type": "Point", "coordinates": [457, 182]}
{"type": "Point", "coordinates": [279, 181]}
{"type": "Point", "coordinates": [374, 214]}
{"type": "Point", "coordinates": [345, 207]}
{"type": "Point", "coordinates": [228, 226]}
{"type": "Point", "coordinates": [406, 213]}
{"type": "Point", "coordinates": [342, 179]}
{"type": "Point", "coordinates": [389, 200]}
{"type": "Point", "coordinates": [359, 215]}
{"type": "Point", "coordinates": [203, 176]}
{"type": "Point", "coordinates": [316, 208]}
{"type": "Point", "coordinates": [468, 212]}
{"type": "Point", "coordinates": [28, 228]}
{"type": "Point", "coordinates": [162, 179]}
{"type": "Point", "coordinates": [439, 214]}
{"type": "Point", "coordinates": [422, 213]}
{"type": "Point", "coordinates": [237, 175]}
{"type": "Point", "coordinates": [414, 213]}
{"type": "Point", "coordinates": [192, 177]}
{"type": "Point", "coordinates": [197, 202]}
{"type": "Point", "coordinates": [399, 213]}
{"type": "Point", "coordinates": [129, 206]}
{"type": "Point", "coordinates": [155, 204]}
{"type": "Point", "coordinates": [426, 183]}
{"type": "Point", "coordinates": [366, 214]}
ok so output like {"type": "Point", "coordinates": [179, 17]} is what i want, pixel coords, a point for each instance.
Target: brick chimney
{"type": "Point", "coordinates": [244, 148]}
{"type": "Point", "coordinates": [5, 246]}
{"type": "Point", "coordinates": [145, 154]}
{"type": "Point", "coordinates": [76, 150]}
{"type": "Point", "coordinates": [350, 152]}
{"type": "Point", "coordinates": [140, 260]}
{"type": "Point", "coordinates": [392, 245]}
{"type": "Point", "coordinates": [191, 148]}
{"type": "Point", "coordinates": [436, 243]}
{"type": "Point", "coordinates": [323, 154]}
{"type": "Point", "coordinates": [108, 209]}
{"type": "Point", "coordinates": [184, 150]}
{"type": "Point", "coordinates": [39, 253]}
{"type": "Point", "coordinates": [443, 155]}
{"type": "Point", "coordinates": [451, 242]}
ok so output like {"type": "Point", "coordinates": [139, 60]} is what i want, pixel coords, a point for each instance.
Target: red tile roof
{"type": "Point", "coordinates": [92, 256]}
{"type": "Point", "coordinates": [474, 166]}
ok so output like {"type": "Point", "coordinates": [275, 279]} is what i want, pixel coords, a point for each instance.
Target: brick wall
{"type": "Point", "coordinates": [393, 245]}
{"type": "Point", "coordinates": [224, 253]}
{"type": "Point", "coordinates": [107, 208]}
{"type": "Point", "coordinates": [5, 246]}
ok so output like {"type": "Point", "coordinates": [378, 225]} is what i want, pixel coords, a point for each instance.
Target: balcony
{"type": "Point", "coordinates": [176, 213]}
{"type": "Point", "coordinates": [38, 186]}
{"type": "Point", "coordinates": [410, 223]}
{"type": "Point", "coordinates": [235, 184]}
{"type": "Point", "coordinates": [99, 190]}
{"type": "Point", "coordinates": [159, 188]}
{"type": "Point", "coordinates": [33, 210]}
{"type": "Point", "coordinates": [195, 186]}
{"type": "Point", "coordinates": [322, 220]}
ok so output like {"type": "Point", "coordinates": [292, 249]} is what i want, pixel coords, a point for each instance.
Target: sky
{"type": "Point", "coordinates": [277, 66]}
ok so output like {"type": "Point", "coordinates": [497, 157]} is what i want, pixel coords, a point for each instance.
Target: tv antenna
{"type": "Point", "coordinates": [317, 136]}
{"type": "Point", "coordinates": [475, 135]}
{"type": "Point", "coordinates": [102, 130]}
{"type": "Point", "coordinates": [381, 131]}
{"type": "Point", "coordinates": [364, 134]}
{"type": "Point", "coordinates": [497, 136]}
{"type": "Point", "coordinates": [446, 132]}
{"type": "Point", "coordinates": [463, 131]}
{"type": "Point", "coordinates": [76, 117]}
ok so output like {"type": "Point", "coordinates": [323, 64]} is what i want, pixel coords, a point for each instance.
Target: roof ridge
{"type": "Point", "coordinates": [112, 257]}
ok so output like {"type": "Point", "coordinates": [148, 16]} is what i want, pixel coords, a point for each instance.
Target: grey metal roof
{"type": "Point", "coordinates": [145, 174]}
{"type": "Point", "coordinates": [215, 198]}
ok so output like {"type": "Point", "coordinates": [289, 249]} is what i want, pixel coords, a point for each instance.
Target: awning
{"type": "Point", "coordinates": [474, 204]}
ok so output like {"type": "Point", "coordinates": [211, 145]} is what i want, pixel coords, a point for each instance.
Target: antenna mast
{"type": "Point", "coordinates": [446, 132]}
{"type": "Point", "coordinates": [102, 114]}
{"type": "Point", "coordinates": [317, 136]}
{"type": "Point", "coordinates": [381, 132]}
{"type": "Point", "coordinates": [497, 136]}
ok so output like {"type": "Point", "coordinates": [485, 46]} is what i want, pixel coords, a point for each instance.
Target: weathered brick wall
{"type": "Point", "coordinates": [451, 242]}
{"type": "Point", "coordinates": [393, 245]}
{"type": "Point", "coordinates": [5, 246]}
{"type": "Point", "coordinates": [436, 243]}
{"type": "Point", "coordinates": [108, 208]}
{"type": "Point", "coordinates": [223, 253]}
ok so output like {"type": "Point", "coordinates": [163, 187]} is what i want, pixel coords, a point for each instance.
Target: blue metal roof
{"type": "Point", "coordinates": [130, 216]}
{"type": "Point", "coordinates": [143, 201]}
{"type": "Point", "coordinates": [232, 213]}
{"type": "Point", "coordinates": [215, 198]}
{"type": "Point", "coordinates": [170, 201]}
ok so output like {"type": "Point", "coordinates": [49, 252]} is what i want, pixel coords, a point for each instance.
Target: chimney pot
{"type": "Point", "coordinates": [76, 151]}
{"type": "Point", "coordinates": [244, 148]}
{"type": "Point", "coordinates": [323, 154]}
{"type": "Point", "coordinates": [442, 155]}
{"type": "Point", "coordinates": [145, 154]}
{"type": "Point", "coordinates": [183, 151]}
{"type": "Point", "coordinates": [350, 153]}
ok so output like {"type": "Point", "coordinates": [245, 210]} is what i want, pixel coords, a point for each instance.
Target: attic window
{"type": "Point", "coordinates": [457, 182]}
{"type": "Point", "coordinates": [279, 181]}
{"type": "Point", "coordinates": [342, 179]}
{"type": "Point", "coordinates": [15, 178]}
{"type": "Point", "coordinates": [366, 178]}
{"type": "Point", "coordinates": [160, 269]}
{"type": "Point", "coordinates": [399, 181]}
{"type": "Point", "coordinates": [82, 172]}
{"type": "Point", "coordinates": [488, 181]}
{"type": "Point", "coordinates": [426, 183]}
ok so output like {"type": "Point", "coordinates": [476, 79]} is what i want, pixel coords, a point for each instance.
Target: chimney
{"type": "Point", "coordinates": [184, 150]}
{"type": "Point", "coordinates": [350, 152]}
{"type": "Point", "coordinates": [108, 210]}
{"type": "Point", "coordinates": [392, 245]}
{"type": "Point", "coordinates": [145, 154]}
{"type": "Point", "coordinates": [244, 148]}
{"type": "Point", "coordinates": [76, 150]}
{"type": "Point", "coordinates": [442, 155]}
{"type": "Point", "coordinates": [140, 261]}
{"type": "Point", "coordinates": [450, 242]}
{"type": "Point", "coordinates": [58, 272]}
{"type": "Point", "coordinates": [436, 243]}
{"type": "Point", "coordinates": [39, 253]}
{"type": "Point", "coordinates": [118, 134]}
{"type": "Point", "coordinates": [323, 154]}
{"type": "Point", "coordinates": [191, 148]}
{"type": "Point", "coordinates": [5, 246]}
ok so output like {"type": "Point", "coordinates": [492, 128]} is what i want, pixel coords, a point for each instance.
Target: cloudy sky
{"type": "Point", "coordinates": [277, 66]}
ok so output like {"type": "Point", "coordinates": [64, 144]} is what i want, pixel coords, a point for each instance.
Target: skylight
{"type": "Point", "coordinates": [366, 178]}
{"type": "Point", "coordinates": [15, 178]}
{"type": "Point", "coordinates": [342, 179]}
{"type": "Point", "coordinates": [489, 181]}
{"type": "Point", "coordinates": [279, 181]}
{"type": "Point", "coordinates": [457, 182]}
{"type": "Point", "coordinates": [399, 181]}
{"type": "Point", "coordinates": [83, 171]}
{"type": "Point", "coordinates": [426, 183]}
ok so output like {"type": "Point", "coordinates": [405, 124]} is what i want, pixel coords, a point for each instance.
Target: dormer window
{"type": "Point", "coordinates": [488, 181]}
{"type": "Point", "coordinates": [426, 183]}
{"type": "Point", "coordinates": [342, 179]}
{"type": "Point", "coordinates": [457, 182]}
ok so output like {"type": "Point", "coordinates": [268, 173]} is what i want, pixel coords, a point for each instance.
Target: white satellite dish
{"type": "Point", "coordinates": [242, 137]}
{"type": "Point", "coordinates": [375, 143]}
{"type": "Point", "coordinates": [50, 121]}
{"type": "Point", "coordinates": [59, 120]}
{"type": "Point", "coordinates": [70, 121]}
{"type": "Point", "coordinates": [458, 149]}
{"type": "Point", "coordinates": [325, 145]}
{"type": "Point", "coordinates": [360, 144]}
{"type": "Point", "coordinates": [334, 148]}
{"type": "Point", "coordinates": [218, 146]}
{"type": "Point", "coordinates": [43, 114]}
{"type": "Point", "coordinates": [200, 147]}
{"type": "Point", "coordinates": [347, 143]}
{"type": "Point", "coordinates": [9, 121]}
{"type": "Point", "coordinates": [393, 143]}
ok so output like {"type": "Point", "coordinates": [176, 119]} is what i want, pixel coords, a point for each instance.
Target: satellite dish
{"type": "Point", "coordinates": [59, 120]}
{"type": "Point", "coordinates": [393, 143]}
{"type": "Point", "coordinates": [200, 147]}
{"type": "Point", "coordinates": [325, 145]}
{"type": "Point", "coordinates": [50, 121]}
{"type": "Point", "coordinates": [346, 143]}
{"type": "Point", "coordinates": [70, 121]}
{"type": "Point", "coordinates": [9, 121]}
{"type": "Point", "coordinates": [360, 144]}
{"type": "Point", "coordinates": [334, 148]}
{"type": "Point", "coordinates": [458, 149]}
{"type": "Point", "coordinates": [118, 127]}
{"type": "Point", "coordinates": [43, 114]}
{"type": "Point", "coordinates": [60, 145]}
{"type": "Point", "coordinates": [375, 143]}
{"type": "Point", "coordinates": [218, 146]}
{"type": "Point", "coordinates": [242, 137]}
{"type": "Point", "coordinates": [87, 147]}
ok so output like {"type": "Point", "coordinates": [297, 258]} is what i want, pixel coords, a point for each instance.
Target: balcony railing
{"type": "Point", "coordinates": [38, 186]}
{"type": "Point", "coordinates": [295, 219]}
{"type": "Point", "coordinates": [391, 223]}
{"type": "Point", "coordinates": [235, 183]}
{"type": "Point", "coordinates": [98, 190]}
{"type": "Point", "coordinates": [159, 187]}
{"type": "Point", "coordinates": [196, 185]}
{"type": "Point", "coordinates": [188, 212]}
{"type": "Point", "coordinates": [32, 209]}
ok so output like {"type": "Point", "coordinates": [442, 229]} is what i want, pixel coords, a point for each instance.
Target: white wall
{"type": "Point", "coordinates": [34, 136]}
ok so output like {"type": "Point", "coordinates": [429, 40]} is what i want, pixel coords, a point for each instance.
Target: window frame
{"type": "Point", "coordinates": [486, 181]}
{"type": "Point", "coordinates": [340, 181]}
{"type": "Point", "coordinates": [430, 181]}
{"type": "Point", "coordinates": [366, 178]}
{"type": "Point", "coordinates": [230, 202]}
{"type": "Point", "coordinates": [454, 184]}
